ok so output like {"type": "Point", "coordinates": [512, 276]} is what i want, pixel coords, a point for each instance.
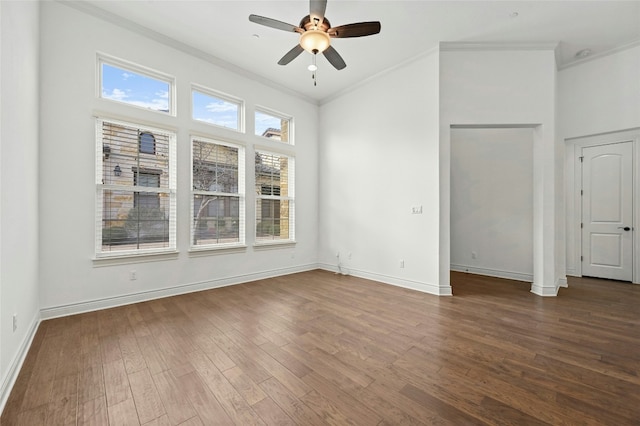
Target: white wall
{"type": "Point", "coordinates": [492, 202]}
{"type": "Point", "coordinates": [601, 95]}
{"type": "Point", "coordinates": [509, 88]}
{"type": "Point", "coordinates": [18, 185]}
{"type": "Point", "coordinates": [71, 280]}
{"type": "Point", "coordinates": [378, 159]}
{"type": "Point", "coordinates": [598, 96]}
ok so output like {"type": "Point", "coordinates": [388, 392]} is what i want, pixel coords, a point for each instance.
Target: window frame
{"type": "Point", "coordinates": [141, 70]}
{"type": "Point", "coordinates": [240, 194]}
{"type": "Point", "coordinates": [223, 97]}
{"type": "Point", "coordinates": [170, 191]}
{"type": "Point", "coordinates": [290, 198]}
{"type": "Point", "coordinates": [275, 114]}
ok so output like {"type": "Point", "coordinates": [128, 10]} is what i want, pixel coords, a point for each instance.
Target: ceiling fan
{"type": "Point", "coordinates": [316, 33]}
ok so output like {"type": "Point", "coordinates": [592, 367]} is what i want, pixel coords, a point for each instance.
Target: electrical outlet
{"type": "Point", "coordinates": [133, 275]}
{"type": "Point", "coordinates": [402, 264]}
{"type": "Point", "coordinates": [15, 322]}
{"type": "Point", "coordinates": [349, 256]}
{"type": "Point", "coordinates": [416, 210]}
{"type": "Point", "coordinates": [474, 255]}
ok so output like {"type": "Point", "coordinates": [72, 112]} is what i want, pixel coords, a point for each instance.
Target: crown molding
{"type": "Point", "coordinates": [599, 55]}
{"type": "Point", "coordinates": [452, 46]}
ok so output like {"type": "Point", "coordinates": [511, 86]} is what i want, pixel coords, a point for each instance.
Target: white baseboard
{"type": "Point", "coordinates": [127, 299]}
{"type": "Point", "coordinates": [16, 363]}
{"type": "Point", "coordinates": [544, 291]}
{"type": "Point", "coordinates": [387, 279]}
{"type": "Point", "coordinates": [550, 291]}
{"type": "Point", "coordinates": [562, 282]}
{"type": "Point", "coordinates": [510, 275]}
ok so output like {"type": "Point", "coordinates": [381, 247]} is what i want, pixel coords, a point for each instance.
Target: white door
{"type": "Point", "coordinates": [607, 212]}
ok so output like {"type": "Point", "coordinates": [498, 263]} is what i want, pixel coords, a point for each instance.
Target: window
{"type": "Point", "coordinates": [136, 197]}
{"type": "Point", "coordinates": [273, 126]}
{"type": "Point", "coordinates": [218, 194]}
{"type": "Point", "coordinates": [147, 143]}
{"type": "Point", "coordinates": [215, 108]}
{"type": "Point", "coordinates": [135, 85]}
{"type": "Point", "coordinates": [274, 197]}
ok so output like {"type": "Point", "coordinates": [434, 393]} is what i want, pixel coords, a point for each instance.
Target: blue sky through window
{"type": "Point", "coordinates": [136, 89]}
{"type": "Point", "coordinates": [266, 121]}
{"type": "Point", "coordinates": [215, 111]}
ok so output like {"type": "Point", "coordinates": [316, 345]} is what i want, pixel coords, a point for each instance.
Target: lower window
{"type": "Point", "coordinates": [274, 197]}
{"type": "Point", "coordinates": [136, 207]}
{"type": "Point", "coordinates": [217, 194]}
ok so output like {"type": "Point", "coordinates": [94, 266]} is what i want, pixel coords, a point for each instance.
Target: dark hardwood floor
{"type": "Point", "coordinates": [317, 348]}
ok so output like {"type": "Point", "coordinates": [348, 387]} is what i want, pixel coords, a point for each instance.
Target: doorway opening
{"type": "Point", "coordinates": [492, 202]}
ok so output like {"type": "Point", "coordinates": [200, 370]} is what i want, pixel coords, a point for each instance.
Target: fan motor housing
{"type": "Point", "coordinates": [307, 24]}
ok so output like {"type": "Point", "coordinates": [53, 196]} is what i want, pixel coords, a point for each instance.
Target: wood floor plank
{"type": "Point", "coordinates": [173, 397]}
{"type": "Point", "coordinates": [271, 414]}
{"type": "Point", "coordinates": [93, 412]}
{"type": "Point", "coordinates": [116, 382]}
{"type": "Point", "coordinates": [90, 383]}
{"type": "Point", "coordinates": [244, 385]}
{"type": "Point", "coordinates": [233, 403]}
{"type": "Point", "coordinates": [162, 421]}
{"type": "Point", "coordinates": [145, 396]}
{"type": "Point", "coordinates": [203, 401]}
{"type": "Point", "coordinates": [62, 409]}
{"type": "Point", "coordinates": [295, 408]}
{"type": "Point", "coordinates": [320, 348]}
{"type": "Point", "coordinates": [341, 401]}
{"type": "Point", "coordinates": [131, 353]}
{"type": "Point", "coordinates": [123, 414]}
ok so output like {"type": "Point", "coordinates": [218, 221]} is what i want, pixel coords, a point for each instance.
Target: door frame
{"type": "Point", "coordinates": [573, 175]}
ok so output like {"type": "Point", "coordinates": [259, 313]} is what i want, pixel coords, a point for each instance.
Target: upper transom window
{"type": "Point", "coordinates": [134, 85]}
{"type": "Point", "coordinates": [272, 125]}
{"type": "Point", "coordinates": [216, 108]}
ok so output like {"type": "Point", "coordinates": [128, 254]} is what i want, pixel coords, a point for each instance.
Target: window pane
{"type": "Point", "coordinates": [215, 167]}
{"type": "Point", "coordinates": [216, 219]}
{"type": "Point", "coordinates": [133, 88]}
{"type": "Point", "coordinates": [127, 226]}
{"type": "Point", "coordinates": [122, 162]}
{"type": "Point", "coordinates": [272, 220]}
{"type": "Point", "coordinates": [272, 127]}
{"type": "Point", "coordinates": [213, 110]}
{"type": "Point", "coordinates": [272, 175]}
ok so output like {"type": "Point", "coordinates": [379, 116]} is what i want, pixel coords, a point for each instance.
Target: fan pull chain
{"type": "Point", "coordinates": [313, 67]}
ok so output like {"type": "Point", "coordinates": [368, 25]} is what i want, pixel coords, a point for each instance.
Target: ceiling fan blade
{"type": "Point", "coordinates": [279, 25]}
{"type": "Point", "coordinates": [291, 55]}
{"type": "Point", "coordinates": [334, 58]}
{"type": "Point", "coordinates": [359, 29]}
{"type": "Point", "coordinates": [317, 9]}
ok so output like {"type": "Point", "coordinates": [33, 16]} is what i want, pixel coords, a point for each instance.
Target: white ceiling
{"type": "Point", "coordinates": [222, 31]}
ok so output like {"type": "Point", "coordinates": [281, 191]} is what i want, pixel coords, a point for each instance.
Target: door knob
{"type": "Point", "coordinates": [626, 228]}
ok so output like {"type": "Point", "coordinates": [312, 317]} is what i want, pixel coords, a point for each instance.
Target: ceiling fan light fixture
{"type": "Point", "coordinates": [315, 41]}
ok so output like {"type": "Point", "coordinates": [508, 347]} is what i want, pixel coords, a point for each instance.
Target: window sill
{"type": "Point", "coordinates": [212, 251]}
{"type": "Point", "coordinates": [272, 245]}
{"type": "Point", "coordinates": [124, 259]}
